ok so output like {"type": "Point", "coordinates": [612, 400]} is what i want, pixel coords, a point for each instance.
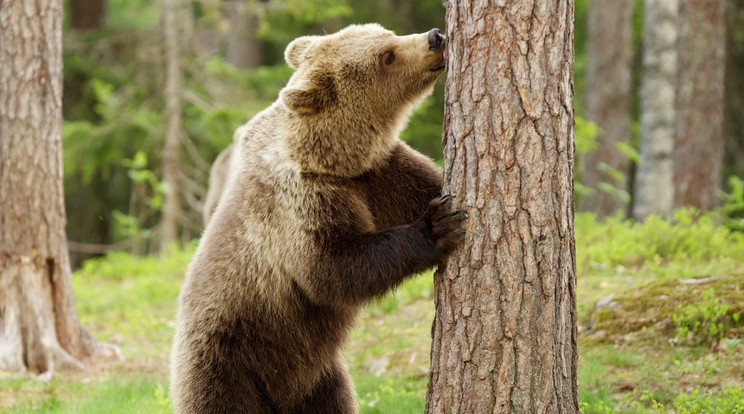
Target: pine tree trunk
{"type": "Point", "coordinates": [39, 329]}
{"type": "Point", "coordinates": [171, 163]}
{"type": "Point", "coordinates": [504, 335]}
{"type": "Point", "coordinates": [605, 169]}
{"type": "Point", "coordinates": [699, 136]}
{"type": "Point", "coordinates": [654, 179]}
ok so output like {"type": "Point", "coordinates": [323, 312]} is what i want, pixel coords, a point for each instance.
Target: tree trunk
{"type": "Point", "coordinates": [504, 335]}
{"type": "Point", "coordinates": [654, 180]}
{"type": "Point", "coordinates": [39, 329]}
{"type": "Point", "coordinates": [243, 47]}
{"type": "Point", "coordinates": [87, 14]}
{"type": "Point", "coordinates": [171, 162]}
{"type": "Point", "coordinates": [699, 136]}
{"type": "Point", "coordinates": [734, 90]}
{"type": "Point", "coordinates": [605, 169]}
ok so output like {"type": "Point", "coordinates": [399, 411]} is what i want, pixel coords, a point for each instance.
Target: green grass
{"type": "Point", "coordinates": [131, 301]}
{"type": "Point", "coordinates": [110, 396]}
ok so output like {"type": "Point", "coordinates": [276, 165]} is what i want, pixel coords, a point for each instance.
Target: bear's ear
{"type": "Point", "coordinates": [295, 51]}
{"type": "Point", "coordinates": [311, 96]}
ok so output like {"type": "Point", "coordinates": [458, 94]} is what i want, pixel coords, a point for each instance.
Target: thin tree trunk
{"type": "Point", "coordinates": [171, 162]}
{"type": "Point", "coordinates": [605, 169]}
{"type": "Point", "coordinates": [699, 136]}
{"type": "Point", "coordinates": [87, 14]}
{"type": "Point", "coordinates": [734, 90]}
{"type": "Point", "coordinates": [243, 46]}
{"type": "Point", "coordinates": [654, 180]}
{"type": "Point", "coordinates": [39, 329]}
{"type": "Point", "coordinates": [504, 335]}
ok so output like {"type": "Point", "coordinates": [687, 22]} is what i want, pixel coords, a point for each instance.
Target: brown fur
{"type": "Point", "coordinates": [223, 168]}
{"type": "Point", "coordinates": [327, 209]}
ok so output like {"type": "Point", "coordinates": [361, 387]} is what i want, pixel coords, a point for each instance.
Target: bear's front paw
{"type": "Point", "coordinates": [444, 224]}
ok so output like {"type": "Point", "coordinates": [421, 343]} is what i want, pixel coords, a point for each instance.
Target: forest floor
{"type": "Point", "coordinates": [640, 350]}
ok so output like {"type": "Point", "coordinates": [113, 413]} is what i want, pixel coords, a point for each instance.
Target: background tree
{"type": "Point", "coordinates": [243, 44]}
{"type": "Point", "coordinates": [169, 223]}
{"type": "Point", "coordinates": [699, 136]}
{"type": "Point", "coordinates": [607, 103]}
{"type": "Point", "coordinates": [87, 14]}
{"type": "Point", "coordinates": [505, 335]}
{"type": "Point", "coordinates": [733, 163]}
{"type": "Point", "coordinates": [654, 187]}
{"type": "Point", "coordinates": [39, 329]}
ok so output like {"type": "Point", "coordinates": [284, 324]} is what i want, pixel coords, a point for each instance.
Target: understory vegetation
{"type": "Point", "coordinates": [661, 322]}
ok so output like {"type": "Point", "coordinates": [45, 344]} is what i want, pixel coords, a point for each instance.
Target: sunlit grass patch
{"type": "Point", "coordinates": [391, 394]}
{"type": "Point", "coordinates": [144, 396]}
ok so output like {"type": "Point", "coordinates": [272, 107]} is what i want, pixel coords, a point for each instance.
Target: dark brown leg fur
{"type": "Point", "coordinates": [332, 395]}
{"type": "Point", "coordinates": [358, 267]}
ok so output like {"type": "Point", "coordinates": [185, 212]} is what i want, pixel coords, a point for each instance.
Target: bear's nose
{"type": "Point", "coordinates": [435, 39]}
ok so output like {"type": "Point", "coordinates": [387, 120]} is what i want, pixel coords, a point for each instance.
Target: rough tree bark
{"type": "Point", "coordinates": [699, 137]}
{"type": "Point", "coordinates": [504, 335]}
{"type": "Point", "coordinates": [654, 179]}
{"type": "Point", "coordinates": [39, 329]}
{"type": "Point", "coordinates": [171, 163]}
{"type": "Point", "coordinates": [605, 169]}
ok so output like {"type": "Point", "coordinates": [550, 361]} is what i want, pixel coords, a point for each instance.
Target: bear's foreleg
{"type": "Point", "coordinates": [355, 268]}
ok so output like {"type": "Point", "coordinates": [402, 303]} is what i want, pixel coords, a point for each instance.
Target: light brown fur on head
{"type": "Point", "coordinates": [352, 93]}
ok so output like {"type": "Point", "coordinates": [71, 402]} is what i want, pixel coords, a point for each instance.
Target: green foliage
{"type": "Point", "coordinates": [285, 14]}
{"type": "Point", "coordinates": [727, 401]}
{"type": "Point", "coordinates": [585, 139]}
{"type": "Point", "coordinates": [390, 396]}
{"type": "Point", "coordinates": [132, 14]}
{"type": "Point", "coordinates": [703, 321]}
{"type": "Point", "coordinates": [689, 237]}
{"type": "Point", "coordinates": [110, 397]}
{"type": "Point", "coordinates": [585, 132]}
{"type": "Point", "coordinates": [733, 203]}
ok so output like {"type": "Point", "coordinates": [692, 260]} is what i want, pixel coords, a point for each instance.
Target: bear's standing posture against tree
{"type": "Point", "coordinates": [327, 209]}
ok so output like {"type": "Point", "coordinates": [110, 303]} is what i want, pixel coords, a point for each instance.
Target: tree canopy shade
{"type": "Point", "coordinates": [39, 329]}
{"type": "Point", "coordinates": [505, 335]}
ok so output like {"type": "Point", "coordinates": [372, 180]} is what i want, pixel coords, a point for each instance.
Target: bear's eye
{"type": "Point", "coordinates": [388, 58]}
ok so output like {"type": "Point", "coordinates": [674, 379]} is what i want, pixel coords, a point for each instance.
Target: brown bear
{"type": "Point", "coordinates": [326, 210]}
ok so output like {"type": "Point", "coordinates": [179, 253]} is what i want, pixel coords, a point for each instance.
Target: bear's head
{"type": "Point", "coordinates": [362, 64]}
{"type": "Point", "coordinates": [353, 92]}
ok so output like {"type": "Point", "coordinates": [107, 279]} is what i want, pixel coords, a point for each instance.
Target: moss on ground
{"type": "Point", "coordinates": [650, 308]}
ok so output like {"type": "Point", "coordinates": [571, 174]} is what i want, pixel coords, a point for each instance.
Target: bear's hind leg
{"type": "Point", "coordinates": [333, 394]}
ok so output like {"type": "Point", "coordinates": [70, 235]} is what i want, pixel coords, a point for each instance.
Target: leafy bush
{"type": "Point", "coordinates": [733, 203]}
{"type": "Point", "coordinates": [689, 237]}
{"type": "Point", "coordinates": [702, 321]}
{"type": "Point", "coordinates": [727, 401]}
